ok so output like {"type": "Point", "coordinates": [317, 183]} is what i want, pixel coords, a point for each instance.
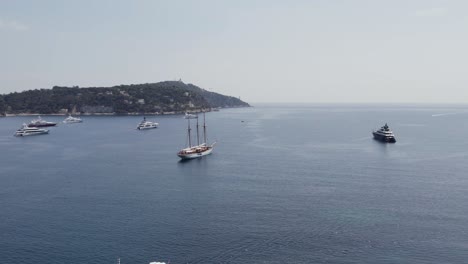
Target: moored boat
{"type": "Point", "coordinates": [39, 122]}
{"type": "Point", "coordinates": [199, 150]}
{"type": "Point", "coordinates": [384, 134]}
{"type": "Point", "coordinates": [70, 120]}
{"type": "Point", "coordinates": [147, 124]}
{"type": "Point", "coordinates": [190, 116]}
{"type": "Point", "coordinates": [26, 130]}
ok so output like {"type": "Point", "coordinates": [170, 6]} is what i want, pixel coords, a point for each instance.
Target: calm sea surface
{"type": "Point", "coordinates": [285, 184]}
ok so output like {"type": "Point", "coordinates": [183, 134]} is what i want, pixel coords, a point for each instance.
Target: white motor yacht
{"type": "Point", "coordinates": [145, 124]}
{"type": "Point", "coordinates": [26, 130]}
{"type": "Point", "coordinates": [70, 120]}
{"type": "Point", "coordinates": [190, 116]}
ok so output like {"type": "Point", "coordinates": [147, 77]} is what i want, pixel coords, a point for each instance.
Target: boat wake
{"type": "Point", "coordinates": [411, 125]}
{"type": "Point", "coordinates": [446, 114]}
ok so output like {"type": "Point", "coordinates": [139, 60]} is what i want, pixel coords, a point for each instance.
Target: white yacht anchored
{"type": "Point", "coordinates": [199, 150]}
{"type": "Point", "coordinates": [147, 124]}
{"type": "Point", "coordinates": [70, 120]}
{"type": "Point", "coordinates": [26, 130]}
{"type": "Point", "coordinates": [152, 262]}
{"type": "Point", "coordinates": [190, 116]}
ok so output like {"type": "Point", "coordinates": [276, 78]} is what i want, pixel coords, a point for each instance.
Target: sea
{"type": "Point", "coordinates": [286, 183]}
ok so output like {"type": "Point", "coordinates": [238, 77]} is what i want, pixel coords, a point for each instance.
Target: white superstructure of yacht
{"type": "Point", "coordinates": [190, 116]}
{"type": "Point", "coordinates": [70, 120]}
{"type": "Point", "coordinates": [145, 124]}
{"type": "Point", "coordinates": [26, 130]}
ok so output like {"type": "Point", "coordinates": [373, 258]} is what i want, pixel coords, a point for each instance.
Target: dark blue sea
{"type": "Point", "coordinates": [285, 184]}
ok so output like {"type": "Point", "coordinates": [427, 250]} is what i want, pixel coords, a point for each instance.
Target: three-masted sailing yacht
{"type": "Point", "coordinates": [200, 150]}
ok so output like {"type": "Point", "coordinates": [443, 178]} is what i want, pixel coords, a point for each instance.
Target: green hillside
{"type": "Point", "coordinates": [150, 98]}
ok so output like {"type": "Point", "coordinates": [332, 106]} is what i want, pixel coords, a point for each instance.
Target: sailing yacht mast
{"type": "Point", "coordinates": [189, 136]}
{"type": "Point", "coordinates": [198, 137]}
{"type": "Point", "coordinates": [200, 150]}
{"type": "Point", "coordinates": [204, 128]}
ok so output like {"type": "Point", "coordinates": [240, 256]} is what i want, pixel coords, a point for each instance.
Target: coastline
{"type": "Point", "coordinates": [126, 114]}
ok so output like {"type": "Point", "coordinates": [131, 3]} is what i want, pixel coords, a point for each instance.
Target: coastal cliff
{"type": "Point", "coordinates": [151, 98]}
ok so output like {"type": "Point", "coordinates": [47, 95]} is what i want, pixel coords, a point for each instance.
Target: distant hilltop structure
{"type": "Point", "coordinates": [149, 98]}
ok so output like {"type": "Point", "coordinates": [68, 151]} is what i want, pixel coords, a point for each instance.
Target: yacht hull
{"type": "Point", "coordinates": [187, 156]}
{"type": "Point", "coordinates": [31, 134]}
{"type": "Point", "coordinates": [42, 125]}
{"type": "Point", "coordinates": [383, 138]}
{"type": "Point", "coordinates": [145, 128]}
{"type": "Point", "coordinates": [72, 122]}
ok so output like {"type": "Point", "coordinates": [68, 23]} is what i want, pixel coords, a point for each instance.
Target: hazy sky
{"type": "Point", "coordinates": [262, 51]}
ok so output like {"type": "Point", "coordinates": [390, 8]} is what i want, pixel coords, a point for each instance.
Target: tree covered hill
{"type": "Point", "coordinates": [162, 97]}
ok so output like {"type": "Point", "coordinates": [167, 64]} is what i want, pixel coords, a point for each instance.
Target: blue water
{"type": "Point", "coordinates": [290, 184]}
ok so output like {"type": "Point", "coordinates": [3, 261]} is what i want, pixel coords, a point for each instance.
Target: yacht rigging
{"type": "Point", "coordinates": [200, 149]}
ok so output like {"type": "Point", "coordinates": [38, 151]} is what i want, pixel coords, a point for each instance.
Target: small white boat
{"type": "Point", "coordinates": [190, 116]}
{"type": "Point", "coordinates": [147, 124]}
{"type": "Point", "coordinates": [153, 262]}
{"type": "Point", "coordinates": [70, 120]}
{"type": "Point", "coordinates": [26, 130]}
